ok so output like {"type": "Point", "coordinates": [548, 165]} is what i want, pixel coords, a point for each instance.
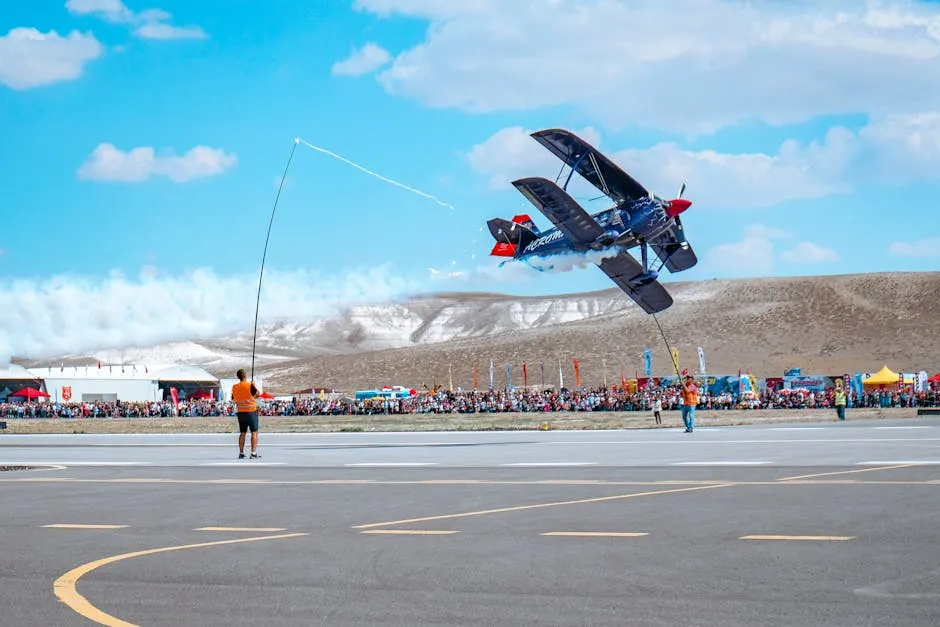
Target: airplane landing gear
{"type": "Point", "coordinates": [648, 275]}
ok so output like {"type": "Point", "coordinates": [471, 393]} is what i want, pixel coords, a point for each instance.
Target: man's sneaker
{"type": "Point", "coordinates": [255, 456]}
{"type": "Point", "coordinates": [241, 456]}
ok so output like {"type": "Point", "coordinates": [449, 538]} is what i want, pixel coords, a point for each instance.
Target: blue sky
{"type": "Point", "coordinates": [811, 145]}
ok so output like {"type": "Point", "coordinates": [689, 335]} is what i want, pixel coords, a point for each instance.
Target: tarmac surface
{"type": "Point", "coordinates": [818, 524]}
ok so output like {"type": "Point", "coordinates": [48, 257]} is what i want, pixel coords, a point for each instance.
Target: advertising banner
{"type": "Point", "coordinates": [807, 382]}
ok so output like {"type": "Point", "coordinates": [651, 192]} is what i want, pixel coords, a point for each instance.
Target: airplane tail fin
{"type": "Point", "coordinates": [526, 221]}
{"type": "Point", "coordinates": [512, 236]}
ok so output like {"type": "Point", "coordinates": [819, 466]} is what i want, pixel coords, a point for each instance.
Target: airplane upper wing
{"type": "Point", "coordinates": [600, 171]}
{"type": "Point", "coordinates": [668, 248]}
{"type": "Point", "coordinates": [563, 210]}
{"type": "Point", "coordinates": [652, 297]}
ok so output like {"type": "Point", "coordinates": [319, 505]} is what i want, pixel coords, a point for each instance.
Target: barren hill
{"type": "Point", "coordinates": [824, 325]}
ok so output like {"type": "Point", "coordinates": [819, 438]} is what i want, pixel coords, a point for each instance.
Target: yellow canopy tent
{"type": "Point", "coordinates": [883, 377]}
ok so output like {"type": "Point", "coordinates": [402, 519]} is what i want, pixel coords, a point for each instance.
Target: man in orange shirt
{"type": "Point", "coordinates": [689, 402]}
{"type": "Point", "coordinates": [244, 394]}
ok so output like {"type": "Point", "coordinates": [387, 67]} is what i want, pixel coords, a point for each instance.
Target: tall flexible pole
{"type": "Point", "coordinates": [671, 356]}
{"type": "Point", "coordinates": [264, 255]}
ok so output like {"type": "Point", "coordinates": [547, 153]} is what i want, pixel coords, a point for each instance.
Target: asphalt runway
{"type": "Point", "coordinates": [819, 525]}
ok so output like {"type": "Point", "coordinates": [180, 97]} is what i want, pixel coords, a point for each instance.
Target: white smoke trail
{"type": "Point", "coordinates": [375, 174]}
{"type": "Point", "coordinates": [511, 271]}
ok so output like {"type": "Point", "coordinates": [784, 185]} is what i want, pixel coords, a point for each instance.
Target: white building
{"type": "Point", "coordinates": [131, 383]}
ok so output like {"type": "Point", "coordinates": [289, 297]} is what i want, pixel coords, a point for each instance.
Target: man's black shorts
{"type": "Point", "coordinates": [247, 420]}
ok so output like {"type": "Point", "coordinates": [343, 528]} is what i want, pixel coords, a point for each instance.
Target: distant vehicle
{"type": "Point", "coordinates": [638, 219]}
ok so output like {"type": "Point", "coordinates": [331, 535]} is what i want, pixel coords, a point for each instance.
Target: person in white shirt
{"type": "Point", "coordinates": [657, 408]}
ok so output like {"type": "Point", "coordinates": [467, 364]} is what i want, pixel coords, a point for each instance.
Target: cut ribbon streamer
{"type": "Point", "coordinates": [375, 174]}
{"type": "Point", "coordinates": [298, 141]}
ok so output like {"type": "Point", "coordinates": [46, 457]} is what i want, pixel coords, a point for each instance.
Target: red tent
{"type": "Point", "coordinates": [29, 394]}
{"type": "Point", "coordinates": [935, 378]}
{"type": "Point", "coordinates": [266, 395]}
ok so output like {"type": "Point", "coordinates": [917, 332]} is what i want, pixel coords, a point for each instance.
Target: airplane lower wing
{"type": "Point", "coordinates": [668, 248]}
{"type": "Point", "coordinates": [563, 210]}
{"type": "Point", "coordinates": [652, 297]}
{"type": "Point", "coordinates": [596, 168]}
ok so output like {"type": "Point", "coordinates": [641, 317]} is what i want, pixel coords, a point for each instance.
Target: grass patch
{"type": "Point", "coordinates": [560, 421]}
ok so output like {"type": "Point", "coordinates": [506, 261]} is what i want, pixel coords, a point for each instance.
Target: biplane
{"type": "Point", "coordinates": [639, 218]}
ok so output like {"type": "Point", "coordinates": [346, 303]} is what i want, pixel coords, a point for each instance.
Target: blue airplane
{"type": "Point", "coordinates": [638, 218]}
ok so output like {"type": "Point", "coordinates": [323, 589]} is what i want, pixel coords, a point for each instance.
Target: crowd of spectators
{"type": "Point", "coordinates": [484, 401]}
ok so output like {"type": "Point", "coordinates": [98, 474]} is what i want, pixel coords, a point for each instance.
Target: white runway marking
{"type": "Point", "coordinates": [518, 464]}
{"type": "Point", "coordinates": [796, 428]}
{"type": "Point", "coordinates": [722, 463]}
{"type": "Point", "coordinates": [403, 464]}
{"type": "Point", "coordinates": [905, 427]}
{"type": "Point", "coordinates": [924, 462]}
{"type": "Point", "coordinates": [691, 441]}
{"type": "Point", "coordinates": [243, 462]}
{"type": "Point", "coordinates": [105, 463]}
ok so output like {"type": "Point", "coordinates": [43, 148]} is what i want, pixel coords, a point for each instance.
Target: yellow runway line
{"type": "Point", "coordinates": [79, 526]}
{"type": "Point", "coordinates": [242, 529]}
{"type": "Point", "coordinates": [409, 532]}
{"type": "Point", "coordinates": [797, 538]}
{"type": "Point", "coordinates": [520, 508]}
{"type": "Point", "coordinates": [847, 472]}
{"type": "Point", "coordinates": [597, 534]}
{"type": "Point", "coordinates": [64, 586]}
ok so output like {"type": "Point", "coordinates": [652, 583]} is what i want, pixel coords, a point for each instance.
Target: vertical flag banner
{"type": "Point", "coordinates": [542, 368]}
{"type": "Point", "coordinates": [491, 374]}
{"type": "Point", "coordinates": [648, 361]}
{"type": "Point", "coordinates": [525, 377]}
{"type": "Point", "coordinates": [701, 365]}
{"type": "Point", "coordinates": [508, 376]}
{"type": "Point", "coordinates": [561, 377]}
{"type": "Point", "coordinates": [450, 379]}
{"type": "Point", "coordinates": [605, 374]}
{"type": "Point", "coordinates": [577, 374]}
{"type": "Point", "coordinates": [623, 378]}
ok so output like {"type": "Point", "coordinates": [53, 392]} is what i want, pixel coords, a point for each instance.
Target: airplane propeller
{"type": "Point", "coordinates": [678, 204]}
{"type": "Point", "coordinates": [676, 207]}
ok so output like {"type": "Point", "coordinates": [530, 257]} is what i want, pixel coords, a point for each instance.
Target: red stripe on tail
{"type": "Point", "coordinates": [502, 249]}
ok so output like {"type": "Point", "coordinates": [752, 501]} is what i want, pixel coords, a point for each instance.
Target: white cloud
{"type": "Point", "coordinates": [511, 153]}
{"type": "Point", "coordinates": [686, 65]}
{"type": "Point", "coordinates": [893, 150]}
{"type": "Point", "coordinates": [765, 232]}
{"type": "Point", "coordinates": [362, 61]}
{"type": "Point", "coordinates": [75, 314]}
{"type": "Point", "coordinates": [752, 255]}
{"type": "Point", "coordinates": [111, 10]}
{"type": "Point", "coordinates": [159, 30]}
{"type": "Point", "coordinates": [29, 58]}
{"type": "Point", "coordinates": [927, 248]}
{"type": "Point", "coordinates": [807, 252]}
{"type": "Point", "coordinates": [108, 163]}
{"type": "Point", "coordinates": [151, 23]}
